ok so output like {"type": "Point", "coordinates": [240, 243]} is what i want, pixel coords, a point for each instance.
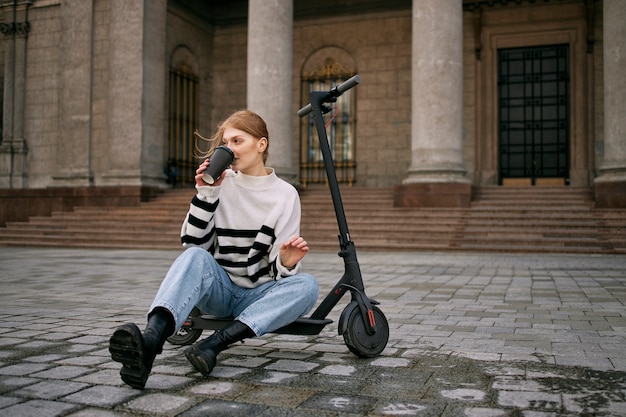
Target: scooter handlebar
{"type": "Point", "coordinates": [334, 92]}
{"type": "Point", "coordinates": [346, 85]}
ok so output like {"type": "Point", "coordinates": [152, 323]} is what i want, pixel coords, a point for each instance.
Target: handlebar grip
{"type": "Point", "coordinates": [334, 92]}
{"type": "Point", "coordinates": [348, 84]}
{"type": "Point", "coordinates": [305, 110]}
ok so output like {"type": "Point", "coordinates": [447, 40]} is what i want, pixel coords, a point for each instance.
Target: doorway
{"type": "Point", "coordinates": [533, 115]}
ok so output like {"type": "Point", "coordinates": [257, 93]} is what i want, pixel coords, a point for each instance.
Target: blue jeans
{"type": "Point", "coordinates": [196, 279]}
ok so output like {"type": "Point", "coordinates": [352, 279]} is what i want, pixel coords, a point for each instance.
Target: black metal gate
{"type": "Point", "coordinates": [341, 135]}
{"type": "Point", "coordinates": [183, 120]}
{"type": "Point", "coordinates": [533, 114]}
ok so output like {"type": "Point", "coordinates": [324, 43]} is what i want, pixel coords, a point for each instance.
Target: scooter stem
{"type": "Point", "coordinates": [317, 99]}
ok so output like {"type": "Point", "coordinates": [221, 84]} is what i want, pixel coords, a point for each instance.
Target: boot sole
{"type": "Point", "coordinates": [126, 347]}
{"type": "Point", "coordinates": [199, 361]}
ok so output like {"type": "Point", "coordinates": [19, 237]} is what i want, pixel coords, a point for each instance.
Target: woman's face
{"type": "Point", "coordinates": [248, 151]}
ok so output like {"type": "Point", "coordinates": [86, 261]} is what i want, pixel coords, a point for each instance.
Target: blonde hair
{"type": "Point", "coordinates": [244, 120]}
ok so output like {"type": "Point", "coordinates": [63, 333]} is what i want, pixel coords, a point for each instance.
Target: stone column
{"type": "Point", "coordinates": [74, 148]}
{"type": "Point", "coordinates": [15, 27]}
{"type": "Point", "coordinates": [610, 186]}
{"type": "Point", "coordinates": [154, 86]}
{"type": "Point", "coordinates": [436, 176]}
{"type": "Point", "coordinates": [137, 77]}
{"type": "Point", "coordinates": [269, 80]}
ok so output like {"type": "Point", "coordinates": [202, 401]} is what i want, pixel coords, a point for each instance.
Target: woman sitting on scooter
{"type": "Point", "coordinates": [242, 259]}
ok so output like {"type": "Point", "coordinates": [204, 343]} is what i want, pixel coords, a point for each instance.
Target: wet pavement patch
{"type": "Point", "coordinates": [350, 404]}
{"type": "Point", "coordinates": [219, 408]}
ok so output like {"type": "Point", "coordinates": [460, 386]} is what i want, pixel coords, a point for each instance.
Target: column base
{"type": "Point", "coordinates": [12, 162]}
{"type": "Point", "coordinates": [73, 179]}
{"type": "Point", "coordinates": [610, 194]}
{"type": "Point", "coordinates": [433, 195]}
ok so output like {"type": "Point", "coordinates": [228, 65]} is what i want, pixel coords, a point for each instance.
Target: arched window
{"type": "Point", "coordinates": [341, 124]}
{"type": "Point", "coordinates": [183, 119]}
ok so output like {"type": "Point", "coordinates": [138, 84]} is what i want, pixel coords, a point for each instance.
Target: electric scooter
{"type": "Point", "coordinates": [362, 324]}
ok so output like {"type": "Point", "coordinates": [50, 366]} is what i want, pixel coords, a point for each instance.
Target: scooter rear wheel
{"type": "Point", "coordinates": [359, 341]}
{"type": "Point", "coordinates": [186, 335]}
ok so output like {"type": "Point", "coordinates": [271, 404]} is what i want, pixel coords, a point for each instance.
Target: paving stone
{"type": "Point", "coordinates": [213, 388]}
{"type": "Point", "coordinates": [228, 372]}
{"type": "Point", "coordinates": [45, 358]}
{"type": "Point", "coordinates": [103, 377]}
{"type": "Point", "coordinates": [51, 390]}
{"type": "Point", "coordinates": [291, 354]}
{"type": "Point", "coordinates": [23, 369]}
{"type": "Point", "coordinates": [8, 384]}
{"type": "Point", "coordinates": [277, 377]}
{"type": "Point", "coordinates": [343, 370]}
{"type": "Point", "coordinates": [90, 340]}
{"type": "Point", "coordinates": [221, 408]}
{"type": "Point", "coordinates": [95, 412]}
{"type": "Point", "coordinates": [350, 404]}
{"type": "Point", "coordinates": [38, 345]}
{"type": "Point", "coordinates": [39, 408]}
{"type": "Point", "coordinates": [510, 383]}
{"type": "Point", "coordinates": [485, 412]}
{"type": "Point", "coordinates": [285, 397]}
{"type": "Point", "coordinates": [80, 348]}
{"type": "Point", "coordinates": [63, 372]}
{"type": "Point", "coordinates": [390, 362]}
{"type": "Point", "coordinates": [102, 396]}
{"type": "Point", "coordinates": [398, 408]}
{"type": "Point", "coordinates": [167, 382]}
{"type": "Point", "coordinates": [6, 401]}
{"type": "Point", "coordinates": [83, 361]}
{"type": "Point", "coordinates": [530, 400]}
{"type": "Point", "coordinates": [155, 404]}
{"type": "Point", "coordinates": [253, 362]}
{"type": "Point", "coordinates": [464, 394]}
{"type": "Point", "coordinates": [292, 366]}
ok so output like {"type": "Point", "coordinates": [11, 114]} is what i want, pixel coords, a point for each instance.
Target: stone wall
{"type": "Point", "coordinates": [198, 38]}
{"type": "Point", "coordinates": [380, 45]}
{"type": "Point", "coordinates": [42, 111]}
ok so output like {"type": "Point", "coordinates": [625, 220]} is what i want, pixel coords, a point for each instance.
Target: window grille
{"type": "Point", "coordinates": [340, 121]}
{"type": "Point", "coordinates": [183, 114]}
{"type": "Point", "coordinates": [533, 93]}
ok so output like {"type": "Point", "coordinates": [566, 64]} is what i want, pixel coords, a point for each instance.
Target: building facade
{"type": "Point", "coordinates": [101, 97]}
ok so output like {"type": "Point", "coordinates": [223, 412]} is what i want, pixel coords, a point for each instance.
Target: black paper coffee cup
{"type": "Point", "coordinates": [219, 161]}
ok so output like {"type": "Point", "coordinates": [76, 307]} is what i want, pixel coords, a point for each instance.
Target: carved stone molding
{"type": "Point", "coordinates": [20, 29]}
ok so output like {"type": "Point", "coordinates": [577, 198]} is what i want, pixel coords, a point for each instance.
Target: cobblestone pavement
{"type": "Point", "coordinates": [470, 335]}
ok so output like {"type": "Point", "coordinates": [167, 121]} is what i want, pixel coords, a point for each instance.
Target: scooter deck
{"type": "Point", "coordinates": [303, 326]}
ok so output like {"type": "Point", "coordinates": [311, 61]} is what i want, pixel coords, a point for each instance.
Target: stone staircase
{"type": "Point", "coordinates": [375, 224]}
{"type": "Point", "coordinates": [529, 219]}
{"type": "Point", "coordinates": [151, 225]}
{"type": "Point", "coordinates": [542, 219]}
{"type": "Point", "coordinates": [536, 220]}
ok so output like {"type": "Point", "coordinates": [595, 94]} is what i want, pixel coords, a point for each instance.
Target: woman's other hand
{"type": "Point", "coordinates": [292, 251]}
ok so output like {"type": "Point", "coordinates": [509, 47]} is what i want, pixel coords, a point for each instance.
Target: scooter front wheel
{"type": "Point", "coordinates": [359, 341]}
{"type": "Point", "coordinates": [186, 335]}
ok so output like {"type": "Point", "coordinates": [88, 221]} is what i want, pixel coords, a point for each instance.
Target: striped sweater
{"type": "Point", "coordinates": [242, 222]}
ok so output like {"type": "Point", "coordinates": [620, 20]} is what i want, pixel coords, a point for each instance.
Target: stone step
{"type": "Point", "coordinates": [499, 220]}
{"type": "Point", "coordinates": [73, 239]}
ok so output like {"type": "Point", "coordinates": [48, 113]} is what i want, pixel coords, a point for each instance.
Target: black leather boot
{"type": "Point", "coordinates": [203, 355]}
{"type": "Point", "coordinates": [136, 351]}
